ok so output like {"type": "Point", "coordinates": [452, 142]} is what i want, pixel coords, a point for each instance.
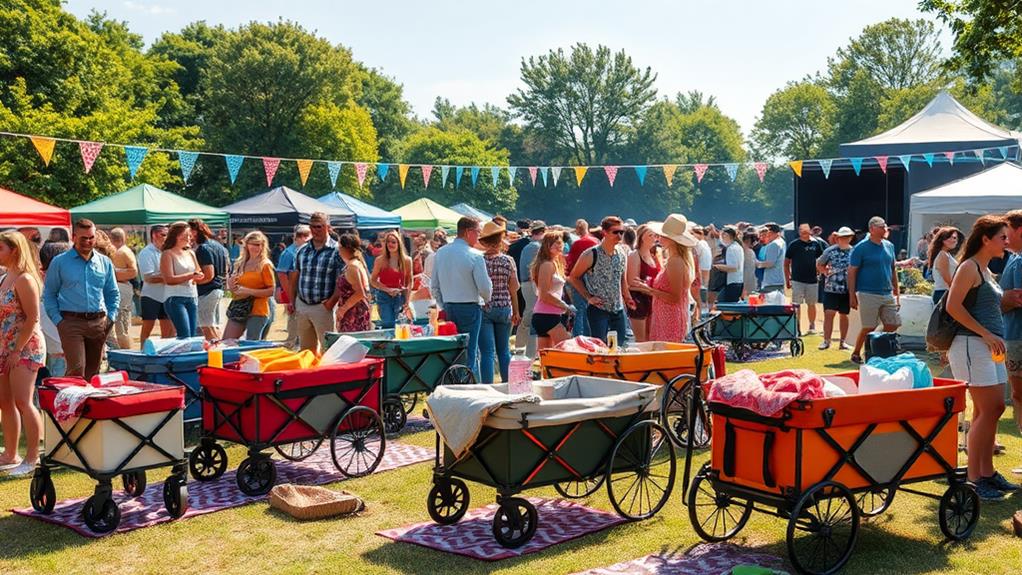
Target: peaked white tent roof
{"type": "Point", "coordinates": [992, 191]}
{"type": "Point", "coordinates": [943, 125]}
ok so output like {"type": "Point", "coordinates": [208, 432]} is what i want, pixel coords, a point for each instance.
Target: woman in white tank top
{"type": "Point", "coordinates": [942, 261]}
{"type": "Point", "coordinates": [180, 268]}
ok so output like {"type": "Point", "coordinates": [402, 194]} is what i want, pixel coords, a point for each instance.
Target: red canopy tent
{"type": "Point", "coordinates": [21, 211]}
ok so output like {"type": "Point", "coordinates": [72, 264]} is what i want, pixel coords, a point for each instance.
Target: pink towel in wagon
{"type": "Point", "coordinates": [766, 394]}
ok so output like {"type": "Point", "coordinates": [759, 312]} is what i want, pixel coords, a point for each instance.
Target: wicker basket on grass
{"type": "Point", "coordinates": [306, 503]}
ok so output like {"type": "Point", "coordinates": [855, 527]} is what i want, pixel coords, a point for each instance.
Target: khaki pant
{"type": "Point", "coordinates": [313, 321]}
{"type": "Point", "coordinates": [292, 330]}
{"type": "Point", "coordinates": [82, 340]}
{"type": "Point", "coordinates": [122, 326]}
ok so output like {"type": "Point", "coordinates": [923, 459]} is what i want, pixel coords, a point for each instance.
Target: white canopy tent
{"type": "Point", "coordinates": [959, 203]}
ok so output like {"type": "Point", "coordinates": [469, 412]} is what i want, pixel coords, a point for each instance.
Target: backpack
{"type": "Point", "coordinates": [941, 330]}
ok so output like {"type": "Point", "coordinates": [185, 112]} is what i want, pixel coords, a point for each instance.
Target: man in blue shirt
{"type": "Point", "coordinates": [772, 263]}
{"type": "Point", "coordinates": [1011, 305]}
{"type": "Point", "coordinates": [80, 296]}
{"type": "Point", "coordinates": [524, 337]}
{"type": "Point", "coordinates": [873, 284]}
{"type": "Point", "coordinates": [285, 266]}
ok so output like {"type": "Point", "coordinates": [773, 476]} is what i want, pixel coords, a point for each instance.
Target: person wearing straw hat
{"type": "Point", "coordinates": [500, 313]}
{"type": "Point", "coordinates": [672, 287]}
{"type": "Point", "coordinates": [833, 264]}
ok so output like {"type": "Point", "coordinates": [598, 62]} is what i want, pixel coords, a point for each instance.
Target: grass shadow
{"type": "Point", "coordinates": [25, 538]}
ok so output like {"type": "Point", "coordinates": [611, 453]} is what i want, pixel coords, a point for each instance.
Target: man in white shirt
{"type": "Point", "coordinates": [152, 286]}
{"type": "Point", "coordinates": [704, 259]}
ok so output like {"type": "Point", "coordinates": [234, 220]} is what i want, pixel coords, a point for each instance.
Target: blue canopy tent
{"type": "Point", "coordinates": [467, 210]}
{"type": "Point", "coordinates": [367, 216]}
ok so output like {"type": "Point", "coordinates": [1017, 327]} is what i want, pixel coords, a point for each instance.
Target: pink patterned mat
{"type": "Point", "coordinates": [559, 521]}
{"type": "Point", "coordinates": [221, 494]}
{"type": "Point", "coordinates": [702, 559]}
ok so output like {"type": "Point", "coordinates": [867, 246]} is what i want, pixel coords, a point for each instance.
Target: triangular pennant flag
{"type": "Point", "coordinates": [458, 172]}
{"type": "Point", "coordinates": [532, 174]}
{"type": "Point", "coordinates": [950, 157]}
{"type": "Point", "coordinates": [761, 168]}
{"type": "Point", "coordinates": [543, 172]}
{"type": "Point", "coordinates": [1004, 152]}
{"type": "Point", "coordinates": [135, 155]}
{"type": "Point", "coordinates": [426, 172]}
{"type": "Point", "coordinates": [906, 160]}
{"type": "Point", "coordinates": [495, 175]}
{"type": "Point", "coordinates": [382, 170]}
{"type": "Point", "coordinates": [980, 155]}
{"type": "Point", "coordinates": [732, 171]}
{"type": "Point", "coordinates": [796, 166]}
{"type": "Point", "coordinates": [402, 173]}
{"type": "Point", "coordinates": [882, 160]}
{"type": "Point", "coordinates": [444, 172]}
{"type": "Point", "coordinates": [611, 174]}
{"type": "Point", "coordinates": [511, 175]}
{"type": "Point", "coordinates": [185, 159]}
{"type": "Point", "coordinates": [474, 172]}
{"type": "Point", "coordinates": [44, 146]}
{"type": "Point", "coordinates": [90, 151]}
{"type": "Point", "coordinates": [640, 172]}
{"type": "Point", "coordinates": [856, 164]}
{"type": "Point", "coordinates": [700, 170]}
{"type": "Point", "coordinates": [556, 173]}
{"type": "Point", "coordinates": [669, 173]}
{"type": "Point", "coordinates": [270, 166]}
{"type": "Point", "coordinates": [335, 170]}
{"type": "Point", "coordinates": [825, 166]}
{"type": "Point", "coordinates": [233, 165]}
{"type": "Point", "coordinates": [580, 172]}
{"type": "Point", "coordinates": [929, 159]}
{"type": "Point", "coordinates": [304, 167]}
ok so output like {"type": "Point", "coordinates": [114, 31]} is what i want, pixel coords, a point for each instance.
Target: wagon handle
{"type": "Point", "coordinates": [701, 332]}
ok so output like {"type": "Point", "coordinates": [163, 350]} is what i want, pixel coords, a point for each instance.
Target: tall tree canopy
{"type": "Point", "coordinates": [796, 121]}
{"type": "Point", "coordinates": [986, 32]}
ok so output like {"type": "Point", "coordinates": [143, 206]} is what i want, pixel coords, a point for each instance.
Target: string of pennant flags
{"type": "Point", "coordinates": [135, 155]}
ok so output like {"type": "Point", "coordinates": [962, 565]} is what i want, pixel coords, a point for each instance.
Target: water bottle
{"type": "Point", "coordinates": [520, 374]}
{"type": "Point", "coordinates": [612, 341]}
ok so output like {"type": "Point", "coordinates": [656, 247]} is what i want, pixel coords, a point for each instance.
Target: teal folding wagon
{"type": "Point", "coordinates": [753, 327]}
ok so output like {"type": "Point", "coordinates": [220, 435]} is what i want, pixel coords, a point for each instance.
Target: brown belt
{"type": "Point", "coordinates": [88, 315]}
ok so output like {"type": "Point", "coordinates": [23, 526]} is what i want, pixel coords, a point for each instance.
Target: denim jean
{"type": "Point", "coordinates": [581, 326]}
{"type": "Point", "coordinates": [600, 322]}
{"type": "Point", "coordinates": [495, 343]}
{"type": "Point", "coordinates": [256, 327]}
{"type": "Point", "coordinates": [524, 338]}
{"type": "Point", "coordinates": [390, 308]}
{"type": "Point", "coordinates": [184, 314]}
{"type": "Point", "coordinates": [264, 331]}
{"type": "Point", "coordinates": [468, 317]}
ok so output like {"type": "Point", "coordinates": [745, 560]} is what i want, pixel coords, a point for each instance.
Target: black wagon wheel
{"type": "Point", "coordinates": [447, 501]}
{"type": "Point", "coordinates": [409, 401]}
{"type": "Point", "coordinates": [640, 474]}
{"type": "Point", "coordinates": [674, 413]}
{"type": "Point", "coordinates": [394, 415]}
{"type": "Point", "coordinates": [823, 528]}
{"type": "Point", "coordinates": [958, 511]}
{"type": "Point", "coordinates": [299, 450]}
{"type": "Point", "coordinates": [873, 502]}
{"type": "Point", "coordinates": [457, 375]}
{"type": "Point", "coordinates": [358, 442]}
{"type": "Point", "coordinates": [134, 483]}
{"type": "Point", "coordinates": [101, 514]}
{"type": "Point", "coordinates": [256, 475]}
{"type": "Point", "coordinates": [796, 347]}
{"type": "Point", "coordinates": [207, 462]}
{"type": "Point", "coordinates": [175, 495]}
{"type": "Point", "coordinates": [715, 515]}
{"type": "Point", "coordinates": [42, 492]}
{"type": "Point", "coordinates": [515, 522]}
{"type": "Point", "coordinates": [580, 488]}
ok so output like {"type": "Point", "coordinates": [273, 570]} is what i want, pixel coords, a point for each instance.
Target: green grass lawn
{"type": "Point", "coordinates": [256, 539]}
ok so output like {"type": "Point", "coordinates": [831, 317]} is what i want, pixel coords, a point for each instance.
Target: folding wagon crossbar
{"type": "Point", "coordinates": [413, 373]}
{"type": "Point", "coordinates": [618, 374]}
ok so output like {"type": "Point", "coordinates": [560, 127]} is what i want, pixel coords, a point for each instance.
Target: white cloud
{"type": "Point", "coordinates": [147, 8]}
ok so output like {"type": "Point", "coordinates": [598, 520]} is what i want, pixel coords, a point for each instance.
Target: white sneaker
{"type": "Point", "coordinates": [812, 331]}
{"type": "Point", "coordinates": [23, 469]}
{"type": "Point", "coordinates": [824, 345]}
{"type": "Point", "coordinates": [844, 346]}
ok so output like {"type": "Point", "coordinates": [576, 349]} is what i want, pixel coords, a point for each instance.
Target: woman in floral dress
{"type": "Point", "coordinates": [352, 287]}
{"type": "Point", "coordinates": [672, 286]}
{"type": "Point", "coordinates": [22, 352]}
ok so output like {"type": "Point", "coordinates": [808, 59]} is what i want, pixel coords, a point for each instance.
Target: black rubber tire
{"type": "Point", "coordinates": [447, 501]}
{"type": "Point", "coordinates": [515, 522]}
{"type": "Point", "coordinates": [674, 413]}
{"type": "Point", "coordinates": [101, 514]}
{"type": "Point", "coordinates": [207, 462]}
{"type": "Point", "coordinates": [134, 483]}
{"type": "Point", "coordinates": [42, 492]}
{"type": "Point", "coordinates": [394, 415]}
{"type": "Point", "coordinates": [702, 495]}
{"type": "Point", "coordinates": [959, 511]}
{"type": "Point", "coordinates": [358, 442]}
{"type": "Point", "coordinates": [823, 510]}
{"type": "Point", "coordinates": [409, 401]}
{"type": "Point", "coordinates": [299, 450]}
{"type": "Point", "coordinates": [175, 496]}
{"type": "Point", "coordinates": [457, 375]}
{"type": "Point", "coordinates": [641, 471]}
{"type": "Point", "coordinates": [580, 489]}
{"type": "Point", "coordinates": [256, 475]}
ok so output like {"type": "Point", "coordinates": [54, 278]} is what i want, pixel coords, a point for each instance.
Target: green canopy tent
{"type": "Point", "coordinates": [146, 205]}
{"type": "Point", "coordinates": [425, 214]}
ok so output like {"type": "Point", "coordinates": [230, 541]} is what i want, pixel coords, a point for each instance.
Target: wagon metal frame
{"type": "Point", "coordinates": [747, 328]}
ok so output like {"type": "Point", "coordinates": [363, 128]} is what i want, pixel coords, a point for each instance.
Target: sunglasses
{"type": "Point", "coordinates": [618, 232]}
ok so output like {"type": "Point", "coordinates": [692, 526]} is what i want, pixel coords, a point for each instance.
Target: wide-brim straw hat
{"type": "Point", "coordinates": [844, 232]}
{"type": "Point", "coordinates": [675, 228]}
{"type": "Point", "coordinates": [491, 228]}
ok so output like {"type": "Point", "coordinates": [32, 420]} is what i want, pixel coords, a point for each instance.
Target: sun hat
{"type": "Point", "coordinates": [675, 228]}
{"type": "Point", "coordinates": [491, 228]}
{"type": "Point", "coordinates": [844, 232]}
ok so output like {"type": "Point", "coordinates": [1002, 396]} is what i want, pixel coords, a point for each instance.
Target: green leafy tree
{"type": "Point", "coordinates": [796, 121]}
{"type": "Point", "coordinates": [895, 53]}
{"type": "Point", "coordinates": [391, 114]}
{"type": "Point", "coordinates": [986, 33]}
{"type": "Point", "coordinates": [693, 100]}
{"type": "Point", "coordinates": [190, 49]}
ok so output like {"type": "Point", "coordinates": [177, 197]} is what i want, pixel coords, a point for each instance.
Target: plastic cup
{"type": "Point", "coordinates": [998, 357]}
{"type": "Point", "coordinates": [215, 357]}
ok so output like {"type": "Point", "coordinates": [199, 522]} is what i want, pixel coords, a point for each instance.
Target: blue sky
{"type": "Point", "coordinates": [739, 51]}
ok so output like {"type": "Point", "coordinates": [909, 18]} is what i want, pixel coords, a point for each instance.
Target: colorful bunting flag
{"type": "Point", "coordinates": [732, 171]}
{"type": "Point", "coordinates": [882, 160]}
{"type": "Point", "coordinates": [906, 160]}
{"type": "Point", "coordinates": [533, 170]}
{"type": "Point", "coordinates": [543, 172]}
{"type": "Point", "coordinates": [825, 166]}
{"type": "Point", "coordinates": [185, 159]}
{"type": "Point", "coordinates": [458, 172]}
{"type": "Point", "coordinates": [270, 166]}
{"type": "Point", "coordinates": [444, 172]}
{"type": "Point", "coordinates": [1004, 152]}
{"type": "Point", "coordinates": [135, 155]}
{"type": "Point", "coordinates": [761, 168]}
{"type": "Point", "coordinates": [700, 170]}
{"type": "Point", "coordinates": [611, 174]}
{"type": "Point", "coordinates": [796, 166]}
{"type": "Point", "coordinates": [669, 170]}
{"type": "Point", "coordinates": [233, 165]}
{"type": "Point", "coordinates": [382, 170]}
{"type": "Point", "coordinates": [856, 164]}
{"type": "Point", "coordinates": [950, 157]}
{"type": "Point", "coordinates": [45, 147]}
{"type": "Point", "coordinates": [556, 172]}
{"type": "Point", "coordinates": [304, 167]}
{"type": "Point", "coordinates": [361, 168]}
{"type": "Point", "coordinates": [427, 171]}
{"type": "Point", "coordinates": [474, 172]}
{"type": "Point", "coordinates": [402, 173]}
{"type": "Point", "coordinates": [495, 175]}
{"type": "Point", "coordinates": [929, 159]}
{"type": "Point", "coordinates": [640, 172]}
{"type": "Point", "coordinates": [980, 154]}
{"type": "Point", "coordinates": [511, 175]}
{"type": "Point", "coordinates": [580, 172]}
{"type": "Point", "coordinates": [90, 151]}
